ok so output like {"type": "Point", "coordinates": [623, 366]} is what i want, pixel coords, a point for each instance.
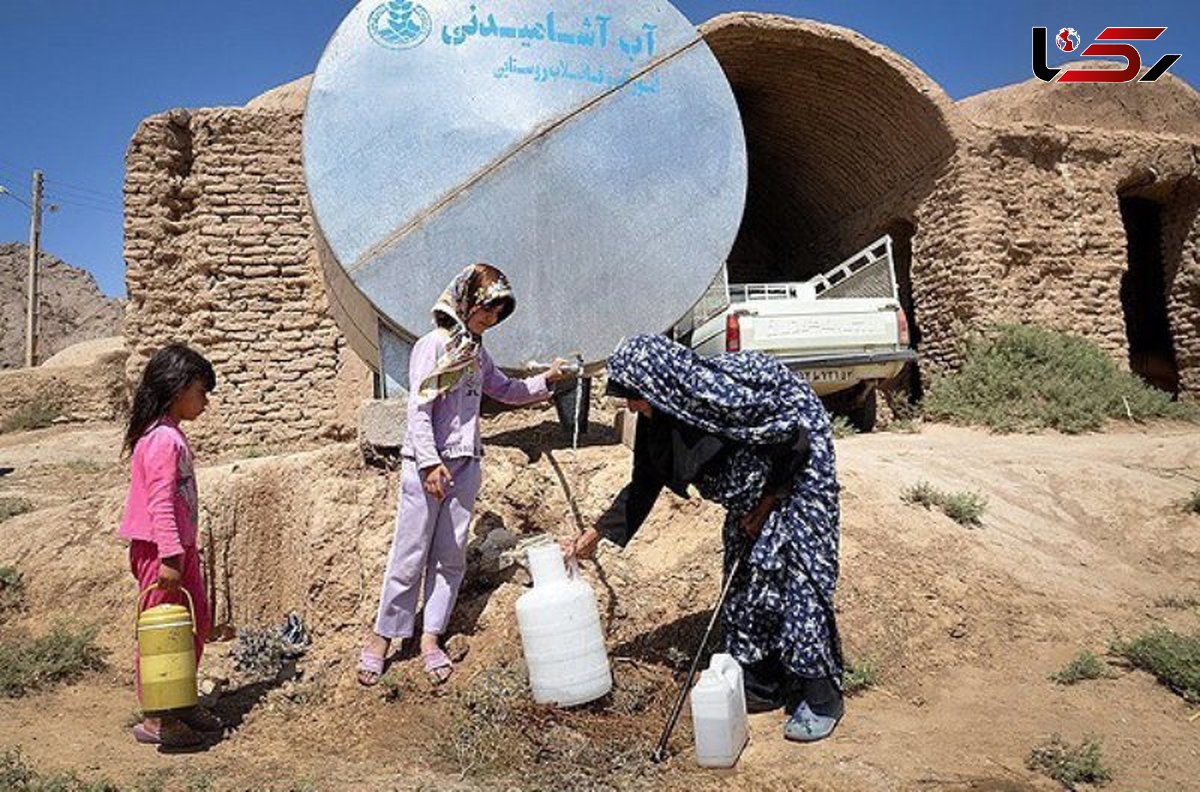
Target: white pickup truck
{"type": "Point", "coordinates": [843, 330]}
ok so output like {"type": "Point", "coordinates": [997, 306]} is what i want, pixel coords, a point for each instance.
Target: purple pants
{"type": "Point", "coordinates": [431, 538]}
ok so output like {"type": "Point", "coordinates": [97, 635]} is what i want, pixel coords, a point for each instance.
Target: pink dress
{"type": "Point", "coordinates": [161, 518]}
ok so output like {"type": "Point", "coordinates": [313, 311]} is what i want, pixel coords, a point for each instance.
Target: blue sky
{"type": "Point", "coordinates": [77, 76]}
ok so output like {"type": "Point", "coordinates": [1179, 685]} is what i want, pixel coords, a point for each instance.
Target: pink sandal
{"type": "Point", "coordinates": [435, 661]}
{"type": "Point", "coordinates": [370, 668]}
{"type": "Point", "coordinates": [169, 735]}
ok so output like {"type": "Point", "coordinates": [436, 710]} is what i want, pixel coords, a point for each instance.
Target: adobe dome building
{"type": "Point", "coordinates": [1070, 206]}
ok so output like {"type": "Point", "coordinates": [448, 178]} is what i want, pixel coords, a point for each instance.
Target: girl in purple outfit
{"type": "Point", "coordinates": [440, 476]}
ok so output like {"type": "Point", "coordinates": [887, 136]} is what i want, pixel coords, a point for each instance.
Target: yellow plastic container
{"type": "Point", "coordinates": [167, 655]}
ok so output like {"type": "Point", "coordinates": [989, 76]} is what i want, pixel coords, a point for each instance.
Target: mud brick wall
{"type": "Point", "coordinates": [1027, 228]}
{"type": "Point", "coordinates": [1181, 250]}
{"type": "Point", "coordinates": [220, 255]}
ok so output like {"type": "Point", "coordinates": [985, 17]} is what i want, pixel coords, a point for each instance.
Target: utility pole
{"type": "Point", "coordinates": [35, 235]}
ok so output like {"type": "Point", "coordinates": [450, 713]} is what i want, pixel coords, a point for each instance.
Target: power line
{"type": "Point", "coordinates": [19, 178]}
{"type": "Point", "coordinates": [61, 192]}
{"type": "Point", "coordinates": [62, 185]}
{"type": "Point", "coordinates": [13, 176]}
{"type": "Point", "coordinates": [69, 201]}
{"type": "Point", "coordinates": [17, 198]}
{"type": "Point", "coordinates": [58, 187]}
{"type": "Point", "coordinates": [94, 208]}
{"type": "Point", "coordinates": [68, 198]}
{"type": "Point", "coordinates": [110, 198]}
{"type": "Point", "coordinates": [114, 212]}
{"type": "Point", "coordinates": [18, 172]}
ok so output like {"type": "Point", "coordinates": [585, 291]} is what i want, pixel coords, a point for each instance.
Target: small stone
{"type": "Point", "coordinates": [497, 541]}
{"type": "Point", "coordinates": [212, 686]}
{"type": "Point", "coordinates": [457, 648]}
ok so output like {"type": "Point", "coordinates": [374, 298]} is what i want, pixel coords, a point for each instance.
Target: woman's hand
{"type": "Point", "coordinates": [437, 481]}
{"type": "Point", "coordinates": [752, 522]}
{"type": "Point", "coordinates": [555, 372]}
{"type": "Point", "coordinates": [170, 578]}
{"type": "Point", "coordinates": [582, 546]}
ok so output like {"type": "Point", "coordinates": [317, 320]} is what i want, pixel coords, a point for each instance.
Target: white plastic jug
{"type": "Point", "coordinates": [719, 713]}
{"type": "Point", "coordinates": [560, 633]}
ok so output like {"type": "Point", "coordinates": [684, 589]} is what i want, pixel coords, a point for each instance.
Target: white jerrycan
{"type": "Point", "coordinates": [560, 633]}
{"type": "Point", "coordinates": [719, 713]}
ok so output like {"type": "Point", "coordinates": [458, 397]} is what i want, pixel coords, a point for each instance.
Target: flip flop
{"type": "Point", "coordinates": [807, 726]}
{"type": "Point", "coordinates": [370, 668]}
{"type": "Point", "coordinates": [176, 735]}
{"type": "Point", "coordinates": [435, 661]}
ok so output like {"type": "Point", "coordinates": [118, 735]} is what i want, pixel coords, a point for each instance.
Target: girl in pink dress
{"type": "Point", "coordinates": [161, 512]}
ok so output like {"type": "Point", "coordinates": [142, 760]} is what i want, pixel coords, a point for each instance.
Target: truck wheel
{"type": "Point", "coordinates": [862, 417]}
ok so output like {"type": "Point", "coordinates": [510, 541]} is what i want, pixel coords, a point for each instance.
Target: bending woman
{"type": "Point", "coordinates": [753, 437]}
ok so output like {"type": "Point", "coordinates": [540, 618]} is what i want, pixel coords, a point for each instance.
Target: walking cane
{"type": "Point", "coordinates": [660, 753]}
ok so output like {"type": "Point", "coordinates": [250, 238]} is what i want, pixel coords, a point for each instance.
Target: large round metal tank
{"type": "Point", "coordinates": [593, 152]}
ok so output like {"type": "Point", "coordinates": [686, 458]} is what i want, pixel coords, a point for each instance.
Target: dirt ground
{"type": "Point", "coordinates": [1082, 540]}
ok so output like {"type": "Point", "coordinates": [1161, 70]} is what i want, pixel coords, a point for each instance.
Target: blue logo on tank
{"type": "Point", "coordinates": [399, 24]}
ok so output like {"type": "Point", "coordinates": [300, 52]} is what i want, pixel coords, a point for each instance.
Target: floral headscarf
{"type": "Point", "coordinates": [744, 396]}
{"type": "Point", "coordinates": [476, 285]}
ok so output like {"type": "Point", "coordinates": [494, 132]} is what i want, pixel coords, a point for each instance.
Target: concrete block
{"type": "Point", "coordinates": [382, 423]}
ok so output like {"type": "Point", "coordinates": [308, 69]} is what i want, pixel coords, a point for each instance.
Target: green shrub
{"type": "Point", "coordinates": [922, 494]}
{"type": "Point", "coordinates": [17, 775]}
{"type": "Point", "coordinates": [485, 711]}
{"type": "Point", "coordinates": [259, 651]}
{"type": "Point", "coordinates": [34, 415]}
{"type": "Point", "coordinates": [12, 589]}
{"type": "Point", "coordinates": [11, 579]}
{"type": "Point", "coordinates": [1070, 765]}
{"type": "Point", "coordinates": [860, 675]}
{"type": "Point", "coordinates": [497, 733]}
{"type": "Point", "coordinates": [11, 507]}
{"type": "Point", "coordinates": [1192, 503]}
{"type": "Point", "coordinates": [965, 508]}
{"type": "Point", "coordinates": [1178, 602]}
{"type": "Point", "coordinates": [1086, 665]}
{"type": "Point", "coordinates": [1174, 659]}
{"type": "Point", "coordinates": [63, 654]}
{"type": "Point", "coordinates": [1026, 378]}
{"type": "Point", "coordinates": [904, 426]}
{"type": "Point", "coordinates": [396, 684]}
{"type": "Point", "coordinates": [842, 427]}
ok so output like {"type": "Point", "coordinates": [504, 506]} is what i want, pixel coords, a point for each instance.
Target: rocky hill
{"type": "Point", "coordinates": [73, 308]}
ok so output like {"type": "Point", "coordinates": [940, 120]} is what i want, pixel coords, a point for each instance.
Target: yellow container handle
{"type": "Point", "coordinates": [142, 601]}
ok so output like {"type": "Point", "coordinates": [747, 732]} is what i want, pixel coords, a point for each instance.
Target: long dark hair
{"type": "Point", "coordinates": [172, 369]}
